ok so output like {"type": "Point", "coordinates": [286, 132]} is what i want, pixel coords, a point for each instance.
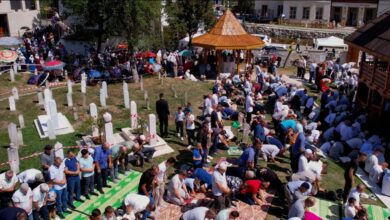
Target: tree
{"type": "Point", "coordinates": [245, 6]}
{"type": "Point", "coordinates": [189, 15]}
{"type": "Point", "coordinates": [92, 14]}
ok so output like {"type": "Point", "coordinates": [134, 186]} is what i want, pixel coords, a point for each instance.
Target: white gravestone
{"type": "Point", "coordinates": [13, 158]}
{"type": "Point", "coordinates": [152, 129]}
{"type": "Point", "coordinates": [12, 75]}
{"type": "Point", "coordinates": [125, 87]}
{"type": "Point", "coordinates": [146, 98]}
{"type": "Point", "coordinates": [83, 86]}
{"type": "Point", "coordinates": [95, 131]}
{"type": "Point", "coordinates": [51, 130]}
{"type": "Point", "coordinates": [21, 121]}
{"type": "Point", "coordinates": [53, 113]}
{"type": "Point", "coordinates": [59, 150]}
{"type": "Point", "coordinates": [108, 128]}
{"type": "Point", "coordinates": [133, 115]}
{"type": "Point", "coordinates": [135, 74]}
{"type": "Point", "coordinates": [102, 98]}
{"type": "Point", "coordinates": [141, 83]}
{"type": "Point", "coordinates": [15, 93]}
{"type": "Point", "coordinates": [126, 99]}
{"type": "Point", "coordinates": [69, 84]}
{"type": "Point", "coordinates": [13, 134]}
{"type": "Point", "coordinates": [93, 110]}
{"type": "Point", "coordinates": [40, 98]}
{"type": "Point", "coordinates": [47, 94]}
{"type": "Point", "coordinates": [69, 99]}
{"type": "Point", "coordinates": [20, 137]}
{"type": "Point", "coordinates": [104, 87]}
{"type": "Point", "coordinates": [15, 67]}
{"type": "Point", "coordinates": [12, 105]}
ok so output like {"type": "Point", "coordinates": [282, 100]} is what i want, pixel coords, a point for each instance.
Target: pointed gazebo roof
{"type": "Point", "coordinates": [228, 34]}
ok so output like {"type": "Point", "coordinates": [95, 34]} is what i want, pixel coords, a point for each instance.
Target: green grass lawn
{"type": "Point", "coordinates": [27, 105]}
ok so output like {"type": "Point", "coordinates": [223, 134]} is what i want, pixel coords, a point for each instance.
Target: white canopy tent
{"type": "Point", "coordinates": [184, 42]}
{"type": "Point", "coordinates": [331, 41]}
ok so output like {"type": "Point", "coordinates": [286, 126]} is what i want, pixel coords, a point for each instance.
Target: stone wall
{"type": "Point", "coordinates": [293, 32]}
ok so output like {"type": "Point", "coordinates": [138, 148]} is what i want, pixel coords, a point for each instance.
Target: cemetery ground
{"type": "Point", "coordinates": [28, 107]}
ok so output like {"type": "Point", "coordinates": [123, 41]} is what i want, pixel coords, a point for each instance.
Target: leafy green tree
{"type": "Point", "coordinates": [244, 6]}
{"type": "Point", "coordinates": [189, 15]}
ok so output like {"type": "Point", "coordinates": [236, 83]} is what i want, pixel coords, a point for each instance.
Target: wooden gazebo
{"type": "Point", "coordinates": [228, 34]}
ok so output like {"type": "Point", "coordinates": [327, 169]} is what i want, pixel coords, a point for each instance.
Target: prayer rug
{"type": "Point", "coordinates": [111, 197]}
{"type": "Point", "coordinates": [377, 212]}
{"type": "Point", "coordinates": [326, 209]}
{"type": "Point", "coordinates": [247, 212]}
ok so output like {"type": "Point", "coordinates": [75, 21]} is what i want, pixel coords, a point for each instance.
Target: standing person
{"type": "Point", "coordinates": [22, 198]}
{"type": "Point", "coordinates": [147, 183]}
{"type": "Point", "coordinates": [39, 202]}
{"type": "Point", "coordinates": [162, 110]}
{"type": "Point", "coordinates": [161, 176]}
{"type": "Point", "coordinates": [349, 173]}
{"type": "Point", "coordinates": [297, 149]}
{"type": "Point", "coordinates": [204, 138]}
{"type": "Point", "coordinates": [58, 179]}
{"type": "Point", "coordinates": [87, 168]}
{"type": "Point", "coordinates": [249, 104]}
{"type": "Point", "coordinates": [47, 159]}
{"type": "Point", "coordinates": [312, 70]}
{"type": "Point", "coordinates": [103, 162]}
{"type": "Point", "coordinates": [72, 171]}
{"type": "Point", "coordinates": [220, 189]}
{"type": "Point", "coordinates": [190, 128]}
{"type": "Point", "coordinates": [179, 120]}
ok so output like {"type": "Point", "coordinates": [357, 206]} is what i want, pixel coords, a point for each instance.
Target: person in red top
{"type": "Point", "coordinates": [250, 190]}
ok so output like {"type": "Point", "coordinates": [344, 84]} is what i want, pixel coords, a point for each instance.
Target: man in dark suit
{"type": "Point", "coordinates": [162, 110]}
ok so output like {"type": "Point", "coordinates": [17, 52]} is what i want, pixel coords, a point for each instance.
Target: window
{"type": "Point", "coordinates": [293, 12]}
{"type": "Point", "coordinates": [16, 5]}
{"type": "Point", "coordinates": [319, 13]}
{"type": "Point", "coordinates": [306, 13]}
{"type": "Point", "coordinates": [280, 10]}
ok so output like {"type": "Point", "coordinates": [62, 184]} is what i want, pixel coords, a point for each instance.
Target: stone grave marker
{"type": "Point", "coordinates": [104, 87]}
{"type": "Point", "coordinates": [13, 158]}
{"type": "Point", "coordinates": [59, 150]}
{"type": "Point", "coordinates": [20, 137]}
{"type": "Point", "coordinates": [53, 114]}
{"type": "Point", "coordinates": [108, 128]}
{"type": "Point", "coordinates": [141, 83]}
{"type": "Point", "coordinates": [12, 75]}
{"type": "Point", "coordinates": [69, 99]}
{"type": "Point", "coordinates": [15, 93]}
{"type": "Point", "coordinates": [70, 86]}
{"type": "Point", "coordinates": [126, 99]}
{"type": "Point", "coordinates": [21, 121]}
{"type": "Point", "coordinates": [12, 105]}
{"type": "Point", "coordinates": [133, 115]}
{"type": "Point", "coordinates": [51, 130]}
{"type": "Point", "coordinates": [152, 129]}
{"type": "Point", "coordinates": [93, 111]}
{"type": "Point", "coordinates": [102, 97]}
{"type": "Point", "coordinates": [83, 86]}
{"type": "Point", "coordinates": [40, 98]}
{"type": "Point", "coordinates": [13, 134]}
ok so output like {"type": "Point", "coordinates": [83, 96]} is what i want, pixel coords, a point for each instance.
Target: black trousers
{"type": "Point", "coordinates": [347, 188]}
{"type": "Point", "coordinates": [191, 136]}
{"type": "Point", "coordinates": [163, 125]}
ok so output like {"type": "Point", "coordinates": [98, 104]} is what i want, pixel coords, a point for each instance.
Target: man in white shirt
{"type": "Point", "coordinates": [190, 128]}
{"type": "Point", "coordinates": [177, 191]}
{"type": "Point", "coordinates": [350, 209]}
{"type": "Point", "coordinates": [161, 176]}
{"type": "Point", "coordinates": [39, 201]}
{"type": "Point", "coordinates": [372, 160]}
{"type": "Point", "coordinates": [58, 179]}
{"type": "Point", "coordinates": [22, 198]}
{"type": "Point", "coordinates": [135, 204]}
{"type": "Point", "coordinates": [377, 171]}
{"type": "Point", "coordinates": [312, 70]}
{"type": "Point", "coordinates": [270, 151]}
{"type": "Point", "coordinates": [199, 213]}
{"type": "Point", "coordinates": [220, 188]}
{"type": "Point", "coordinates": [8, 183]}
{"type": "Point", "coordinates": [355, 193]}
{"type": "Point", "coordinates": [303, 164]}
{"type": "Point", "coordinates": [32, 177]}
{"type": "Point", "coordinates": [249, 104]}
{"type": "Point", "coordinates": [207, 106]}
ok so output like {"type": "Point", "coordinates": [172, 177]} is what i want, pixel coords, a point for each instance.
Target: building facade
{"type": "Point", "coordinates": [17, 14]}
{"type": "Point", "coordinates": [303, 11]}
{"type": "Point", "coordinates": [373, 92]}
{"type": "Point", "coordinates": [353, 12]}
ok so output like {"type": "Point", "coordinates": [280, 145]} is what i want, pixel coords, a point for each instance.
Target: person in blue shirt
{"type": "Point", "coordinates": [258, 129]}
{"type": "Point", "coordinates": [297, 149]}
{"type": "Point", "coordinates": [103, 162]}
{"type": "Point", "coordinates": [72, 171]}
{"type": "Point", "coordinates": [197, 156]}
{"type": "Point", "coordinates": [204, 178]}
{"type": "Point", "coordinates": [284, 126]}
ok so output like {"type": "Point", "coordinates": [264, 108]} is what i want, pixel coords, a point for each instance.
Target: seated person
{"type": "Point", "coordinates": [177, 191]}
{"type": "Point", "coordinates": [229, 113]}
{"type": "Point", "coordinates": [377, 172]}
{"type": "Point", "coordinates": [145, 153]}
{"type": "Point", "coordinates": [372, 160]}
{"type": "Point", "coordinates": [109, 213]}
{"type": "Point", "coordinates": [227, 214]}
{"type": "Point", "coordinates": [220, 141]}
{"type": "Point", "coordinates": [350, 208]}
{"type": "Point", "coordinates": [32, 177]}
{"type": "Point", "coordinates": [250, 190]}
{"type": "Point", "coordinates": [8, 182]}
{"type": "Point", "coordinates": [137, 205]}
{"type": "Point", "coordinates": [356, 193]}
{"type": "Point", "coordinates": [296, 190]}
{"type": "Point", "coordinates": [203, 179]}
{"type": "Point", "coordinates": [198, 213]}
{"type": "Point", "coordinates": [269, 152]}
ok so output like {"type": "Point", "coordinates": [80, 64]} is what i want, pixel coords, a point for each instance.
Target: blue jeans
{"type": "Point", "coordinates": [146, 213]}
{"type": "Point", "coordinates": [61, 200]}
{"type": "Point", "coordinates": [43, 212]}
{"type": "Point", "coordinates": [73, 184]}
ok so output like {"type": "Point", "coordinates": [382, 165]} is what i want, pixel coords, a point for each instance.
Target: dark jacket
{"type": "Point", "coordinates": [162, 108]}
